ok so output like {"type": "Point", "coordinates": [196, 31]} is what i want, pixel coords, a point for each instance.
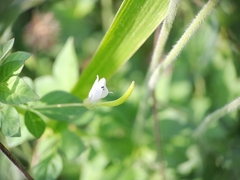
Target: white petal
{"type": "Point", "coordinates": [102, 84]}
{"type": "Point", "coordinates": [98, 90]}
{"type": "Point", "coordinates": [96, 94]}
{"type": "Point", "coordinates": [93, 89]}
{"type": "Point", "coordinates": [104, 92]}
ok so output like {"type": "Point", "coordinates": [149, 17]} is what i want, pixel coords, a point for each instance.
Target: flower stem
{"type": "Point", "coordinates": [157, 52]}
{"type": "Point", "coordinates": [163, 36]}
{"type": "Point", "coordinates": [182, 42]}
{"type": "Point", "coordinates": [158, 141]}
{"type": "Point", "coordinates": [232, 106]}
{"type": "Point", "coordinates": [59, 106]}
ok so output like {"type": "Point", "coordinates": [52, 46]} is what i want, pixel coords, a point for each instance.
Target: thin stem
{"type": "Point", "coordinates": [232, 106]}
{"type": "Point", "coordinates": [182, 42]}
{"type": "Point", "coordinates": [59, 106]}
{"type": "Point", "coordinates": [15, 162]}
{"type": "Point", "coordinates": [162, 38]}
{"type": "Point", "coordinates": [158, 137]}
{"type": "Point", "coordinates": [158, 49]}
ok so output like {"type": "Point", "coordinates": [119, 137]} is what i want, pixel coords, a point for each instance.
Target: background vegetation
{"type": "Point", "coordinates": [63, 36]}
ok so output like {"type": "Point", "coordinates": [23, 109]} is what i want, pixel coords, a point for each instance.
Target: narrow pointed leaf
{"type": "Point", "coordinates": [65, 71]}
{"type": "Point", "coordinates": [133, 24]}
{"type": "Point", "coordinates": [65, 68]}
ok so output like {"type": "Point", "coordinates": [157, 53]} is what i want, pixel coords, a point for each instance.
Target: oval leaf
{"type": "Point", "coordinates": [34, 123]}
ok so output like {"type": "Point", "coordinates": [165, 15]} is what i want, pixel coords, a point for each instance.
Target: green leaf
{"type": "Point", "coordinates": [7, 70]}
{"type": "Point", "coordinates": [133, 24]}
{"type": "Point", "coordinates": [11, 64]}
{"type": "Point", "coordinates": [72, 145]}
{"type": "Point", "coordinates": [48, 168]}
{"type": "Point", "coordinates": [65, 68]}
{"type": "Point", "coordinates": [16, 92]}
{"type": "Point", "coordinates": [63, 113]}
{"type": "Point", "coordinates": [65, 72]}
{"type": "Point", "coordinates": [34, 123]}
{"type": "Point", "coordinates": [25, 135]}
{"type": "Point", "coordinates": [9, 120]}
{"type": "Point", "coordinates": [5, 48]}
{"type": "Point", "coordinates": [19, 56]}
{"type": "Point", "coordinates": [47, 145]}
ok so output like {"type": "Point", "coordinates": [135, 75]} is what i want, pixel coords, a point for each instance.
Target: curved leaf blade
{"type": "Point", "coordinates": [133, 24]}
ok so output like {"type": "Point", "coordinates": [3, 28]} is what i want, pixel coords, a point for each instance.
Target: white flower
{"type": "Point", "coordinates": [99, 90]}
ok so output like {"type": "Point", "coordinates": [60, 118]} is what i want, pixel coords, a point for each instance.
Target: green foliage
{"type": "Point", "coordinates": [55, 136]}
{"type": "Point", "coordinates": [48, 168]}
{"type": "Point", "coordinates": [65, 113]}
{"type": "Point", "coordinates": [34, 124]}
{"type": "Point", "coordinates": [5, 48]}
{"type": "Point", "coordinates": [126, 34]}
{"type": "Point", "coordinates": [9, 121]}
{"type": "Point", "coordinates": [12, 65]}
{"type": "Point", "coordinates": [16, 91]}
{"type": "Point", "coordinates": [72, 146]}
{"type": "Point", "coordinates": [13, 90]}
{"type": "Point", "coordinates": [65, 72]}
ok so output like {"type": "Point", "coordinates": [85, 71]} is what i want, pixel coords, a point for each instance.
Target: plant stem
{"type": "Point", "coordinates": [158, 49]}
{"type": "Point", "coordinates": [15, 162]}
{"type": "Point", "coordinates": [59, 106]}
{"type": "Point", "coordinates": [158, 137]}
{"type": "Point", "coordinates": [162, 38]}
{"type": "Point", "coordinates": [232, 106]}
{"type": "Point", "coordinates": [182, 42]}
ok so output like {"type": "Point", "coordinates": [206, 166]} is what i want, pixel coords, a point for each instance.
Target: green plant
{"type": "Point", "coordinates": [113, 142]}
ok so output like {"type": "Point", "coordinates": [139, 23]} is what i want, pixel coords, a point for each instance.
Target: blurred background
{"type": "Point", "coordinates": [204, 78]}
